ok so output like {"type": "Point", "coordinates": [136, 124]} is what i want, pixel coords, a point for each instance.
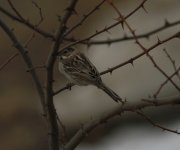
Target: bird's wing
{"type": "Point", "coordinates": [80, 67]}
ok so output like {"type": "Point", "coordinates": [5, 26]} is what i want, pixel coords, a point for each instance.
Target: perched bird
{"type": "Point", "coordinates": [78, 69]}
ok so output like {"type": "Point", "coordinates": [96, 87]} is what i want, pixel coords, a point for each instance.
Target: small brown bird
{"type": "Point", "coordinates": [78, 69]}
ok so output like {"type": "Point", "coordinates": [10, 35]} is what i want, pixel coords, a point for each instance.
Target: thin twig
{"type": "Point", "coordinates": [85, 17]}
{"type": "Point", "coordinates": [15, 10]}
{"type": "Point", "coordinates": [127, 38]}
{"type": "Point", "coordinates": [172, 61]}
{"type": "Point", "coordinates": [88, 127]}
{"type": "Point", "coordinates": [40, 12]}
{"type": "Point", "coordinates": [68, 86]}
{"type": "Point", "coordinates": [141, 46]}
{"type": "Point", "coordinates": [165, 82]}
{"type": "Point", "coordinates": [106, 29]}
{"type": "Point", "coordinates": [63, 135]}
{"type": "Point", "coordinates": [155, 124]}
{"type": "Point", "coordinates": [16, 54]}
{"type": "Point", "coordinates": [27, 24]}
{"type": "Point", "coordinates": [29, 40]}
{"type": "Point", "coordinates": [51, 112]}
{"type": "Point", "coordinates": [4, 64]}
{"type": "Point", "coordinates": [37, 67]}
{"type": "Point", "coordinates": [129, 61]}
{"type": "Point", "coordinates": [40, 21]}
{"type": "Point", "coordinates": [24, 53]}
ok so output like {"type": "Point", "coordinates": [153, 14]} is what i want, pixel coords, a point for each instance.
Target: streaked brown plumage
{"type": "Point", "coordinates": [79, 70]}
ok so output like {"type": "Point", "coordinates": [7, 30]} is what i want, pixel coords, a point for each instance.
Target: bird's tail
{"type": "Point", "coordinates": [110, 92]}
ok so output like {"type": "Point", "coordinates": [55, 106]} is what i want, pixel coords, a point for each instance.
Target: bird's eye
{"type": "Point", "coordinates": [65, 52]}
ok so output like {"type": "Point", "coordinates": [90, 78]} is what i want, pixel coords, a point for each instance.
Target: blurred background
{"type": "Point", "coordinates": [22, 126]}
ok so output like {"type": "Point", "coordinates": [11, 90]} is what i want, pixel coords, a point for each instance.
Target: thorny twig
{"type": "Point", "coordinates": [63, 136]}
{"type": "Point", "coordinates": [15, 10]}
{"type": "Point", "coordinates": [140, 45]}
{"type": "Point", "coordinates": [172, 61]}
{"type": "Point", "coordinates": [166, 25]}
{"type": "Point", "coordinates": [40, 13]}
{"type": "Point", "coordinates": [28, 41]}
{"type": "Point", "coordinates": [165, 82]}
{"type": "Point", "coordinates": [89, 126]}
{"type": "Point", "coordinates": [84, 18]}
{"type": "Point", "coordinates": [27, 24]}
{"type": "Point", "coordinates": [51, 111]}
{"type": "Point", "coordinates": [27, 60]}
{"type": "Point", "coordinates": [104, 29]}
{"type": "Point", "coordinates": [155, 124]}
{"type": "Point", "coordinates": [4, 64]}
{"type": "Point", "coordinates": [58, 38]}
{"type": "Point", "coordinates": [129, 61]}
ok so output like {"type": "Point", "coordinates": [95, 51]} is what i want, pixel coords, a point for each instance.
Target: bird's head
{"type": "Point", "coordinates": [66, 53]}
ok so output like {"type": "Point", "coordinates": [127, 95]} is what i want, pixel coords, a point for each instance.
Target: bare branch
{"type": "Point", "coordinates": [84, 18]}
{"type": "Point", "coordinates": [63, 135]}
{"type": "Point", "coordinates": [61, 30]}
{"type": "Point", "coordinates": [126, 38]}
{"type": "Point", "coordinates": [16, 54]}
{"type": "Point", "coordinates": [141, 46]}
{"type": "Point", "coordinates": [61, 35]}
{"type": "Point", "coordinates": [40, 12]}
{"type": "Point", "coordinates": [51, 112]}
{"type": "Point", "coordinates": [4, 64]}
{"type": "Point", "coordinates": [155, 124]}
{"type": "Point", "coordinates": [26, 58]}
{"type": "Point", "coordinates": [27, 24]}
{"type": "Point", "coordinates": [37, 67]}
{"type": "Point", "coordinates": [88, 127]}
{"type": "Point", "coordinates": [67, 87]}
{"type": "Point", "coordinates": [129, 61]}
{"type": "Point", "coordinates": [105, 29]}
{"type": "Point", "coordinates": [15, 10]}
{"type": "Point", "coordinates": [165, 82]}
{"type": "Point", "coordinates": [29, 40]}
{"type": "Point", "coordinates": [172, 61]}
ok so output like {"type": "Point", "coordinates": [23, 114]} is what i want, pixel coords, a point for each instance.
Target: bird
{"type": "Point", "coordinates": [79, 70]}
